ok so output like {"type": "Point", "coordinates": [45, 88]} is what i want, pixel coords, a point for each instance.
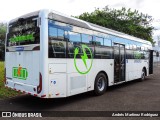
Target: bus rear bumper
{"type": "Point", "coordinates": [24, 88]}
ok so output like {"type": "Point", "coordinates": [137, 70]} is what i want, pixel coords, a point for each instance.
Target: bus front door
{"type": "Point", "coordinates": [119, 63]}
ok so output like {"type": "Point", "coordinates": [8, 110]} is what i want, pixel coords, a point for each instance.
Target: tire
{"type": "Point", "coordinates": [142, 75]}
{"type": "Point", "coordinates": [100, 84]}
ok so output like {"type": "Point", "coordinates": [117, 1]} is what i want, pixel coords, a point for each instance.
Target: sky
{"type": "Point", "coordinates": [10, 9]}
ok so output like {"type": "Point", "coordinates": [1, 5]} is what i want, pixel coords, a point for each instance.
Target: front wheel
{"type": "Point", "coordinates": [100, 85]}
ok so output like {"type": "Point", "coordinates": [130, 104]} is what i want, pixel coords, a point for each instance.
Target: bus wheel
{"type": "Point", "coordinates": [100, 84]}
{"type": "Point", "coordinates": [142, 75]}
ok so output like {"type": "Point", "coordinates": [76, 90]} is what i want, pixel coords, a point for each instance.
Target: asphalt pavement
{"type": "Point", "coordinates": [130, 96]}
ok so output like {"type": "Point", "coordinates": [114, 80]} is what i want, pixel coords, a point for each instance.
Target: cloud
{"type": "Point", "coordinates": [139, 3]}
{"type": "Point", "coordinates": [156, 25]}
{"type": "Point", "coordinates": [14, 8]}
{"type": "Point", "coordinates": [134, 4]}
{"type": "Point", "coordinates": [71, 1]}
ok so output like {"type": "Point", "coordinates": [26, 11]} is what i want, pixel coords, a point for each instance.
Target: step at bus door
{"type": "Point", "coordinates": [119, 62]}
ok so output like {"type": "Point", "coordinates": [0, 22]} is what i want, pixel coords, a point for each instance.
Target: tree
{"type": "Point", "coordinates": [2, 31]}
{"type": "Point", "coordinates": [2, 40]}
{"type": "Point", "coordinates": [123, 20]}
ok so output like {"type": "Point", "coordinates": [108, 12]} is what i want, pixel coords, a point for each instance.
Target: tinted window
{"type": "Point", "coordinates": [127, 46]}
{"type": "Point", "coordinates": [134, 47]}
{"type": "Point", "coordinates": [107, 42]}
{"type": "Point", "coordinates": [137, 54]}
{"type": "Point", "coordinates": [138, 48]}
{"type": "Point", "coordinates": [74, 42]}
{"type": "Point", "coordinates": [103, 52]}
{"type": "Point", "coordinates": [129, 54]}
{"type": "Point", "coordinates": [52, 32]}
{"type": "Point", "coordinates": [60, 34]}
{"type": "Point", "coordinates": [98, 41]}
{"type": "Point", "coordinates": [74, 37]}
{"type": "Point", "coordinates": [146, 55]}
{"type": "Point", "coordinates": [23, 32]}
{"type": "Point", "coordinates": [142, 48]}
{"type": "Point", "coordinates": [57, 42]}
{"type": "Point", "coordinates": [130, 46]}
{"type": "Point", "coordinates": [86, 38]}
{"type": "Point", "coordinates": [57, 49]}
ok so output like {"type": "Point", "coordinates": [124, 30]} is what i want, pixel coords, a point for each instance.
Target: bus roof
{"type": "Point", "coordinates": [31, 14]}
{"type": "Point", "coordinates": [81, 23]}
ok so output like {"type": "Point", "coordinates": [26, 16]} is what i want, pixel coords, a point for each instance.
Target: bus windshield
{"type": "Point", "coordinates": [23, 32]}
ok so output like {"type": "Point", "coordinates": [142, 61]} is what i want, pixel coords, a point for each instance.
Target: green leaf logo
{"type": "Point", "coordinates": [84, 58]}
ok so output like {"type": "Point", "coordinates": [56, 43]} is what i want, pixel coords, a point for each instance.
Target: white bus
{"type": "Point", "coordinates": [51, 55]}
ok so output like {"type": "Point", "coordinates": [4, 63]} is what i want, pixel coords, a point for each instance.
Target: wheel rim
{"type": "Point", "coordinates": [101, 84]}
{"type": "Point", "coordinates": [143, 75]}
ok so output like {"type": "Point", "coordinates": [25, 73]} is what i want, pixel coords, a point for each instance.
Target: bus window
{"type": "Point", "coordinates": [127, 46]}
{"type": "Point", "coordinates": [137, 54]}
{"type": "Point", "coordinates": [129, 54]}
{"type": "Point", "coordinates": [52, 32]}
{"type": "Point", "coordinates": [107, 42]}
{"type": "Point", "coordinates": [134, 47]}
{"type": "Point", "coordinates": [142, 55]}
{"type": "Point", "coordinates": [86, 39]}
{"type": "Point", "coordinates": [98, 40]}
{"type": "Point", "coordinates": [74, 42]}
{"type": "Point", "coordinates": [57, 43]}
{"type": "Point", "coordinates": [142, 48]}
{"type": "Point", "coordinates": [74, 37]}
{"type": "Point", "coordinates": [103, 52]}
{"type": "Point", "coordinates": [23, 32]}
{"type": "Point", "coordinates": [146, 55]}
{"type": "Point", "coordinates": [60, 34]}
{"type": "Point", "coordinates": [130, 46]}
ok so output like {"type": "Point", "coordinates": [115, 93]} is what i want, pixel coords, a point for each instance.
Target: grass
{"type": "Point", "coordinates": [5, 92]}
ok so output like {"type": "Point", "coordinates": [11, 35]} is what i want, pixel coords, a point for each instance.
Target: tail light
{"type": "Point", "coordinates": [5, 76]}
{"type": "Point", "coordinates": [39, 87]}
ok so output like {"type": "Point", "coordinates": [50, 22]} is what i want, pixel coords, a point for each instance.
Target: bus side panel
{"type": "Point", "coordinates": [76, 82]}
{"type": "Point", "coordinates": [79, 83]}
{"type": "Point", "coordinates": [101, 65]}
{"type": "Point", "coordinates": [134, 68]}
{"type": "Point", "coordinates": [57, 85]}
{"type": "Point", "coordinates": [57, 78]}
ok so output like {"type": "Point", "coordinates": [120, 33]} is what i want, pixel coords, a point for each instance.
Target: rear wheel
{"type": "Point", "coordinates": [100, 85]}
{"type": "Point", "coordinates": [142, 75]}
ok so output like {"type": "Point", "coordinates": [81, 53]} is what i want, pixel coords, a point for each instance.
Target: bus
{"type": "Point", "coordinates": [52, 55]}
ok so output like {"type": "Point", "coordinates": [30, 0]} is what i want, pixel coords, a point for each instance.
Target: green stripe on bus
{"type": "Point", "coordinates": [24, 73]}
